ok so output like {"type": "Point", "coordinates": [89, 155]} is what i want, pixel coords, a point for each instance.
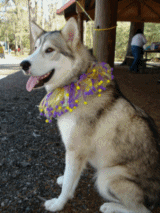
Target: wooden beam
{"type": "Point", "coordinates": [138, 19]}
{"type": "Point", "coordinates": [122, 9]}
{"type": "Point", "coordinates": [104, 41]}
{"type": "Point", "coordinates": [151, 9]}
{"type": "Point", "coordinates": [139, 8]}
{"type": "Point", "coordinates": [73, 14]}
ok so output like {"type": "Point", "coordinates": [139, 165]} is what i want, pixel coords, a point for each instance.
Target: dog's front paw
{"type": "Point", "coordinates": [54, 205]}
{"type": "Point", "coordinates": [60, 180]}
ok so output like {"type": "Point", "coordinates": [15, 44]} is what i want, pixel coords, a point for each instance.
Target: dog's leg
{"type": "Point", "coordinates": [60, 180]}
{"type": "Point", "coordinates": [60, 183]}
{"type": "Point", "coordinates": [74, 166]}
{"type": "Point", "coordinates": [119, 208]}
{"type": "Point", "coordinates": [114, 208]}
{"type": "Point", "coordinates": [125, 195]}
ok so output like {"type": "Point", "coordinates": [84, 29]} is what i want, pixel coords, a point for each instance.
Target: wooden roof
{"type": "Point", "coordinates": [69, 9]}
{"type": "Point", "coordinates": [139, 10]}
{"type": "Point", "coordinates": [128, 10]}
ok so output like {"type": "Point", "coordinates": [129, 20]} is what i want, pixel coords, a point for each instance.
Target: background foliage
{"type": "Point", "coordinates": [151, 31]}
{"type": "Point", "coordinates": [14, 21]}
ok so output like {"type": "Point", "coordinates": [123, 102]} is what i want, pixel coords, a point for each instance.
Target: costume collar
{"type": "Point", "coordinates": [66, 99]}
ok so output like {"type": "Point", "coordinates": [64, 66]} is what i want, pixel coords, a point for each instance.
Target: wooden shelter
{"type": "Point", "coordinates": [106, 13]}
{"type": "Point", "coordinates": [128, 10]}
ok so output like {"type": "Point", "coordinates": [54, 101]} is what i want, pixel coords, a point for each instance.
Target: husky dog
{"type": "Point", "coordinates": [116, 137]}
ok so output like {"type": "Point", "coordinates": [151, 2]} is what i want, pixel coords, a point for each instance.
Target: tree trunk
{"type": "Point", "coordinates": [31, 39]}
{"type": "Point", "coordinates": [16, 46]}
{"type": "Point", "coordinates": [42, 14]}
{"type": "Point", "coordinates": [36, 11]}
{"type": "Point", "coordinates": [104, 41]}
{"type": "Point", "coordinates": [133, 28]}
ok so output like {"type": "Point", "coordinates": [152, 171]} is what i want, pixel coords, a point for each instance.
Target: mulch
{"type": "Point", "coordinates": [31, 151]}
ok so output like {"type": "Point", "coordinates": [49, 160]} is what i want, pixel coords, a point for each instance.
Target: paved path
{"type": "Point", "coordinates": [9, 65]}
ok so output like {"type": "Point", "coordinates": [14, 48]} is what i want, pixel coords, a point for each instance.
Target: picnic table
{"type": "Point", "coordinates": [146, 52]}
{"type": "Point", "coordinates": [150, 51]}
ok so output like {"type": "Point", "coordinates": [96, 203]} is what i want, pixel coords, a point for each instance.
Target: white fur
{"type": "Point", "coordinates": [114, 208]}
{"type": "Point", "coordinates": [66, 124]}
{"type": "Point", "coordinates": [60, 180]}
{"type": "Point", "coordinates": [119, 208]}
{"type": "Point", "coordinates": [105, 176]}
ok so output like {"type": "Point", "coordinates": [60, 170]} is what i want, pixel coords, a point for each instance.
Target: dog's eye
{"type": "Point", "coordinates": [49, 50]}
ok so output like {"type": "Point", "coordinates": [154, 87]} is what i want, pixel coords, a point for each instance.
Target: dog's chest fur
{"type": "Point", "coordinates": [66, 124]}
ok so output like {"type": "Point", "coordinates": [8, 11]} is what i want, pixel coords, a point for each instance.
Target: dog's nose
{"type": "Point", "coordinates": [25, 65]}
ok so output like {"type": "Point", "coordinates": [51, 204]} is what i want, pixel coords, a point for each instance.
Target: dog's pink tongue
{"type": "Point", "coordinates": [32, 81]}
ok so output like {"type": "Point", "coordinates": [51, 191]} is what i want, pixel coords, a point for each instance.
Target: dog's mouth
{"type": "Point", "coordinates": [38, 81]}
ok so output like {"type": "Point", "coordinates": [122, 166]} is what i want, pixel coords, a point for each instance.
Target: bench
{"type": "Point", "coordinates": [143, 60]}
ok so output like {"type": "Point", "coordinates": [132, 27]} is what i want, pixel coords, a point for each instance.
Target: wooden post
{"type": "Point", "coordinates": [133, 28]}
{"type": "Point", "coordinates": [104, 41]}
{"type": "Point", "coordinates": [80, 23]}
{"type": "Point", "coordinates": [80, 17]}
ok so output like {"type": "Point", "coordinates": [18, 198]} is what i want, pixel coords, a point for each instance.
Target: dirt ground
{"type": "Point", "coordinates": [141, 89]}
{"type": "Point", "coordinates": [31, 152]}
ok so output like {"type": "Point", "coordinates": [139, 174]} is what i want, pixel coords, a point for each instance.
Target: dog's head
{"type": "Point", "coordinates": [58, 58]}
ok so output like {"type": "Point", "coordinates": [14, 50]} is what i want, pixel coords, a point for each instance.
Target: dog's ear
{"type": "Point", "coordinates": [70, 33]}
{"type": "Point", "coordinates": [36, 31]}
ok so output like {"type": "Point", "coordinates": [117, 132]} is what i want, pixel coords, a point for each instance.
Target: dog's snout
{"type": "Point", "coordinates": [25, 65]}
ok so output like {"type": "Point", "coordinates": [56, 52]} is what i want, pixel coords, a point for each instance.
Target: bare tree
{"type": "Point", "coordinates": [31, 39]}
{"type": "Point", "coordinates": [32, 11]}
{"type": "Point", "coordinates": [42, 15]}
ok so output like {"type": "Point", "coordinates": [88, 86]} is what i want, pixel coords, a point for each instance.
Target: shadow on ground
{"type": "Point", "coordinates": [10, 66]}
